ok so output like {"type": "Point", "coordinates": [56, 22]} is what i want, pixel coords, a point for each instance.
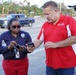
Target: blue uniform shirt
{"type": "Point", "coordinates": [22, 39]}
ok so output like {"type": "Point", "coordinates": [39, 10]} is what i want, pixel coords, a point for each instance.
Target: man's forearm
{"type": "Point", "coordinates": [67, 42]}
{"type": "Point", "coordinates": [37, 43]}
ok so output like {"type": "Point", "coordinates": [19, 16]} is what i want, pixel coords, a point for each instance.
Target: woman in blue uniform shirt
{"type": "Point", "coordinates": [15, 60]}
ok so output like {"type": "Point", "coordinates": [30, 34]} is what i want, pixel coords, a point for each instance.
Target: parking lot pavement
{"type": "Point", "coordinates": [1, 69]}
{"type": "Point", "coordinates": [37, 63]}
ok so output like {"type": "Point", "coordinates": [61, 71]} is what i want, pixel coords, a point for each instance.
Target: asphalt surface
{"type": "Point", "coordinates": [37, 63]}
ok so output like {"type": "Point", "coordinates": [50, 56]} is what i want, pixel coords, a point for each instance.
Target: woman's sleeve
{"type": "Point", "coordinates": [3, 49]}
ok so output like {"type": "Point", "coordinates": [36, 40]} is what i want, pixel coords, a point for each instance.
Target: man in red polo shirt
{"type": "Point", "coordinates": [58, 35]}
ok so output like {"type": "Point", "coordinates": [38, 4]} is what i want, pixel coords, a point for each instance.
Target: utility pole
{"type": "Point", "coordinates": [2, 1]}
{"type": "Point", "coordinates": [2, 9]}
{"type": "Point", "coordinates": [61, 3]}
{"type": "Point", "coordinates": [10, 1]}
{"type": "Point", "coordinates": [60, 7]}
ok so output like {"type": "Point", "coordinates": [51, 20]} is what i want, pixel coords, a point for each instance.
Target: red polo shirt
{"type": "Point", "coordinates": [63, 57]}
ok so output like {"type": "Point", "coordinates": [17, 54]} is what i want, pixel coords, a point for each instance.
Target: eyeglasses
{"type": "Point", "coordinates": [16, 26]}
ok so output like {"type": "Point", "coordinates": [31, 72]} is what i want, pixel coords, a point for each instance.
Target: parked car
{"type": "Point", "coordinates": [24, 20]}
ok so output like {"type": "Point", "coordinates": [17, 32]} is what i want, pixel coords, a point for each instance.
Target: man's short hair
{"type": "Point", "coordinates": [51, 4]}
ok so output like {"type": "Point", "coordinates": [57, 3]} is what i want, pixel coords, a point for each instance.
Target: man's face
{"type": "Point", "coordinates": [49, 14]}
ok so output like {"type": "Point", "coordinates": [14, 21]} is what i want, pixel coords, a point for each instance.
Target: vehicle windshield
{"type": "Point", "coordinates": [10, 16]}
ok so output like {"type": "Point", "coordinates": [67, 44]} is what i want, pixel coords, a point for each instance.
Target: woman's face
{"type": "Point", "coordinates": [15, 27]}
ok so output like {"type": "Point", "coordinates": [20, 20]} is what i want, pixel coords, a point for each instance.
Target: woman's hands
{"type": "Point", "coordinates": [29, 47]}
{"type": "Point", "coordinates": [11, 45]}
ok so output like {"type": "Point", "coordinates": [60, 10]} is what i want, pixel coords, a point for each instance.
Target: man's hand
{"type": "Point", "coordinates": [50, 45]}
{"type": "Point", "coordinates": [30, 48]}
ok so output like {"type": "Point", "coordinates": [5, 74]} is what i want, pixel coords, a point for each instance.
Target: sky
{"type": "Point", "coordinates": [41, 2]}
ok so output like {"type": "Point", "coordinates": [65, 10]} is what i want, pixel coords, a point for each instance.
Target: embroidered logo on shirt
{"type": "Point", "coordinates": [22, 35]}
{"type": "Point", "coordinates": [61, 24]}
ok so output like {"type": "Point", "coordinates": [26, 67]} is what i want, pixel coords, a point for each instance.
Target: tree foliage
{"type": "Point", "coordinates": [13, 7]}
{"type": "Point", "coordinates": [65, 10]}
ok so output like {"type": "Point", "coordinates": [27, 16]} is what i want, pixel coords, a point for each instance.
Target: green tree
{"type": "Point", "coordinates": [65, 10]}
{"type": "Point", "coordinates": [13, 7]}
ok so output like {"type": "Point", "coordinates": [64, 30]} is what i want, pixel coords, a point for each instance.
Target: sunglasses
{"type": "Point", "coordinates": [16, 26]}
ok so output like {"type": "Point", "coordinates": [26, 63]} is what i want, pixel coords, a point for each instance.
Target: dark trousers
{"type": "Point", "coordinates": [62, 71]}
